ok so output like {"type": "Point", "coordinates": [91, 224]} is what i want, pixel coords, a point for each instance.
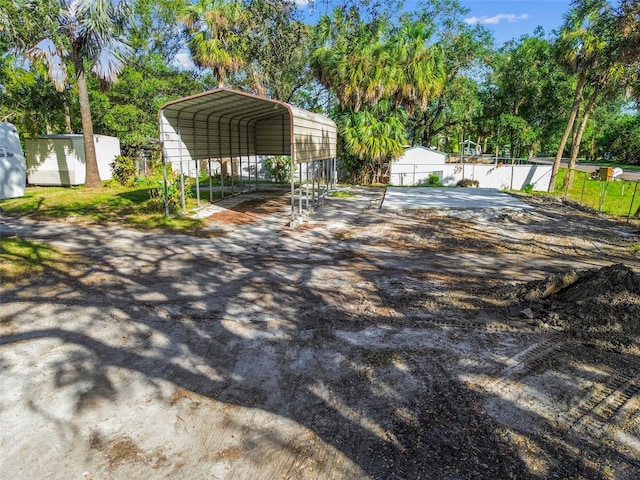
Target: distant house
{"type": "Point", "coordinates": [471, 148]}
{"type": "Point", "coordinates": [416, 165]}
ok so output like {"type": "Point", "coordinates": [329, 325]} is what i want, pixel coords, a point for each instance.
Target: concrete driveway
{"type": "Point", "coordinates": [399, 198]}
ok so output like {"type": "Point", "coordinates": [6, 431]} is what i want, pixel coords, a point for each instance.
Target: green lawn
{"type": "Point", "coordinates": [20, 259]}
{"type": "Point", "coordinates": [613, 197]}
{"type": "Point", "coordinates": [112, 204]}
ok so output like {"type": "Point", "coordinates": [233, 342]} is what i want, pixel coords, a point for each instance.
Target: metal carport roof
{"type": "Point", "coordinates": [227, 123]}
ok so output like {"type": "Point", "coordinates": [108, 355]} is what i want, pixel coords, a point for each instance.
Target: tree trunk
{"type": "Point", "coordinates": [92, 179]}
{"type": "Point", "coordinates": [575, 148]}
{"type": "Point", "coordinates": [567, 131]}
{"type": "Point", "coordinates": [67, 113]}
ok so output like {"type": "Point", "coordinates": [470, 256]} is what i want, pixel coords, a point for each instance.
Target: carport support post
{"type": "Point", "coordinates": [292, 176]}
{"type": "Point", "coordinates": [313, 182]}
{"type": "Point", "coordinates": [307, 184]}
{"type": "Point", "coordinates": [300, 193]}
{"type": "Point", "coordinates": [166, 186]}
{"type": "Point", "coordinates": [195, 154]}
{"type": "Point", "coordinates": [182, 195]}
{"type": "Point", "coordinates": [210, 182]}
{"type": "Point", "coordinates": [256, 175]}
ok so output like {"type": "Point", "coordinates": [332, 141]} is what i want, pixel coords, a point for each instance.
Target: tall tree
{"type": "Point", "coordinates": [613, 72]}
{"type": "Point", "coordinates": [378, 72]}
{"type": "Point", "coordinates": [216, 35]}
{"type": "Point", "coordinates": [466, 49]}
{"type": "Point", "coordinates": [524, 106]}
{"type": "Point", "coordinates": [278, 44]}
{"type": "Point", "coordinates": [156, 30]}
{"type": "Point", "coordinates": [88, 33]}
{"type": "Point", "coordinates": [582, 50]}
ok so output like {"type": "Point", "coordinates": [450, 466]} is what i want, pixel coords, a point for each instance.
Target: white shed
{"type": "Point", "coordinates": [60, 159]}
{"type": "Point", "coordinates": [415, 166]}
{"type": "Point", "coordinates": [13, 172]}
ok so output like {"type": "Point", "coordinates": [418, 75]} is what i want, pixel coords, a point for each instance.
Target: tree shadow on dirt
{"type": "Point", "coordinates": [295, 325]}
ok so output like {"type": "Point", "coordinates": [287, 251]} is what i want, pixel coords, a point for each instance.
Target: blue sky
{"type": "Point", "coordinates": [507, 19]}
{"type": "Point", "coordinates": [512, 19]}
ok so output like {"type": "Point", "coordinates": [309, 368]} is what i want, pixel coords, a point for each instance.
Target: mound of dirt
{"type": "Point", "coordinates": [585, 303]}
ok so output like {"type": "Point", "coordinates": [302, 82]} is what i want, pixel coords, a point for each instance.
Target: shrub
{"type": "Point", "coordinates": [174, 194]}
{"type": "Point", "coordinates": [279, 168]}
{"type": "Point", "coordinates": [433, 180]}
{"type": "Point", "coordinates": [468, 182]}
{"type": "Point", "coordinates": [124, 170]}
{"type": "Point", "coordinates": [528, 188]}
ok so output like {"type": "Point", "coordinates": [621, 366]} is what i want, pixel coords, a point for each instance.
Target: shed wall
{"type": "Point", "coordinates": [13, 172]}
{"type": "Point", "coordinates": [59, 160]}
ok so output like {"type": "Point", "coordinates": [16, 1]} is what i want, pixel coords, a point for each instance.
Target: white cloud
{"type": "Point", "coordinates": [509, 17]}
{"type": "Point", "coordinates": [183, 60]}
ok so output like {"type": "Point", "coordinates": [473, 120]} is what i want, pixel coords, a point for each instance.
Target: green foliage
{"type": "Point", "coordinates": [128, 110]}
{"type": "Point", "coordinates": [613, 197]}
{"type": "Point", "coordinates": [174, 194]}
{"type": "Point", "coordinates": [215, 30]}
{"type": "Point", "coordinates": [433, 180]}
{"type": "Point", "coordinates": [468, 182]}
{"type": "Point", "coordinates": [621, 140]}
{"type": "Point", "coordinates": [528, 188]}
{"type": "Point", "coordinates": [279, 168]}
{"type": "Point", "coordinates": [277, 46]}
{"type": "Point", "coordinates": [124, 170]}
{"type": "Point", "coordinates": [342, 194]}
{"type": "Point", "coordinates": [20, 259]}
{"type": "Point", "coordinates": [140, 206]}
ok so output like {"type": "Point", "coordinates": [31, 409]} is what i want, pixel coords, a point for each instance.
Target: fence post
{"type": "Point", "coordinates": [633, 199]}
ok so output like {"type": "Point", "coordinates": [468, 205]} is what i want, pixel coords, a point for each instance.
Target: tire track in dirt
{"type": "Point", "coordinates": [600, 410]}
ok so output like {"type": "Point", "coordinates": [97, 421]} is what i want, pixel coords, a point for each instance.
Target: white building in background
{"type": "Point", "coordinates": [419, 163]}
{"type": "Point", "coordinates": [415, 166]}
{"type": "Point", "coordinates": [13, 173]}
{"type": "Point", "coordinates": [60, 159]}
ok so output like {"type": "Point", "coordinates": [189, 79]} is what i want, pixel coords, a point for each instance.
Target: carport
{"type": "Point", "coordinates": [235, 129]}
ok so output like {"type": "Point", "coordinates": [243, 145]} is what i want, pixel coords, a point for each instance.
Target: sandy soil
{"type": "Point", "coordinates": [363, 344]}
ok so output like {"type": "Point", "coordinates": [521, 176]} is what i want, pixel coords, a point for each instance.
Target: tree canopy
{"type": "Point", "coordinates": [389, 77]}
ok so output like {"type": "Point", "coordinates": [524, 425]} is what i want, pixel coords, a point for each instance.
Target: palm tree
{"type": "Point", "coordinates": [215, 31]}
{"type": "Point", "coordinates": [418, 72]}
{"type": "Point", "coordinates": [88, 33]}
{"type": "Point", "coordinates": [581, 50]}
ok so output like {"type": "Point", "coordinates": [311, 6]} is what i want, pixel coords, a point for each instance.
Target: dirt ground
{"type": "Point", "coordinates": [363, 344]}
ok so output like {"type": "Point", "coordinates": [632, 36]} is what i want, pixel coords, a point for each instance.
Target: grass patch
{"type": "Point", "coordinates": [613, 197]}
{"type": "Point", "coordinates": [114, 204]}
{"type": "Point", "coordinates": [342, 194]}
{"type": "Point", "coordinates": [342, 235]}
{"type": "Point", "coordinates": [21, 259]}
{"type": "Point", "coordinates": [380, 358]}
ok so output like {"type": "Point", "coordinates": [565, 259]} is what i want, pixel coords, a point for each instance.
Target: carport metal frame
{"type": "Point", "coordinates": [227, 124]}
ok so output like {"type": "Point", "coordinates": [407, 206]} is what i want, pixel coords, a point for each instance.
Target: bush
{"type": "Point", "coordinates": [433, 180]}
{"type": "Point", "coordinates": [279, 168]}
{"type": "Point", "coordinates": [528, 188]}
{"type": "Point", "coordinates": [174, 194]}
{"type": "Point", "coordinates": [467, 182]}
{"type": "Point", "coordinates": [124, 170]}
